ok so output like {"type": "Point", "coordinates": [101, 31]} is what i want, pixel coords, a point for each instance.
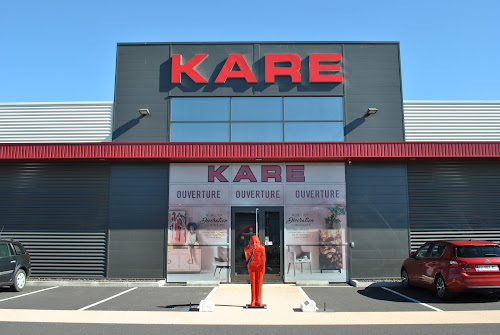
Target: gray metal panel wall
{"type": "Point", "coordinates": [371, 79]}
{"type": "Point", "coordinates": [454, 200]}
{"type": "Point", "coordinates": [137, 85]}
{"type": "Point", "coordinates": [138, 218]}
{"type": "Point", "coordinates": [60, 213]}
{"type": "Point", "coordinates": [377, 205]}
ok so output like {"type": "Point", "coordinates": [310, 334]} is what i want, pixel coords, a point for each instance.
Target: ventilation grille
{"type": "Point", "coordinates": [64, 254]}
{"type": "Point", "coordinates": [452, 200]}
{"type": "Point", "coordinates": [60, 213]}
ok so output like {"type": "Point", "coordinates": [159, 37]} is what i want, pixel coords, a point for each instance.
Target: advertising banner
{"type": "Point", "coordinates": [200, 199]}
{"type": "Point", "coordinates": [315, 236]}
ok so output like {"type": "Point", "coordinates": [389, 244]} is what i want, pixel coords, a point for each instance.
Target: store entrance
{"type": "Point", "coordinates": [267, 223]}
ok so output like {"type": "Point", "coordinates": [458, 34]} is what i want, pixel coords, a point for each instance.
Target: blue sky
{"type": "Point", "coordinates": [66, 50]}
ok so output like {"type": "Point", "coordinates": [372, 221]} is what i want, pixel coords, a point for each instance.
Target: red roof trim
{"type": "Point", "coordinates": [247, 152]}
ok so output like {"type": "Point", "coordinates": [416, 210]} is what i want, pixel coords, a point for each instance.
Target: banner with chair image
{"type": "Point", "coordinates": [315, 243]}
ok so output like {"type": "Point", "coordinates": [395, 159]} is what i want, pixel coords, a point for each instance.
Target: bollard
{"type": "Point", "coordinates": [308, 306]}
{"type": "Point", "coordinates": [206, 306]}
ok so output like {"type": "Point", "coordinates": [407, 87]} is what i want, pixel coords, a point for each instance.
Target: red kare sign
{"type": "Point", "coordinates": [323, 68]}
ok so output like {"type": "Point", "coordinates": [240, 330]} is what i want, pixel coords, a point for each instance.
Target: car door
{"type": "Point", "coordinates": [7, 262]}
{"type": "Point", "coordinates": [414, 267]}
{"type": "Point", "coordinates": [432, 263]}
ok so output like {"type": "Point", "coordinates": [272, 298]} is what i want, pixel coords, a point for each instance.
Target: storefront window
{"type": "Point", "coordinates": [314, 131]}
{"type": "Point", "coordinates": [297, 210]}
{"type": "Point", "coordinates": [257, 132]}
{"type": "Point", "coordinates": [200, 109]}
{"type": "Point", "coordinates": [256, 109]}
{"type": "Point", "coordinates": [200, 132]}
{"type": "Point", "coordinates": [257, 119]}
{"type": "Point", "coordinates": [313, 108]}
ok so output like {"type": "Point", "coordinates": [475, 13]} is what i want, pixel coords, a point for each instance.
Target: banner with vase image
{"type": "Point", "coordinates": [315, 243]}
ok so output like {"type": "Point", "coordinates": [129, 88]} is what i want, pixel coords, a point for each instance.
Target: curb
{"type": "Point", "coordinates": [357, 283]}
{"type": "Point", "coordinates": [312, 283]}
{"type": "Point", "coordinates": [87, 283]}
{"type": "Point", "coordinates": [159, 283]}
{"type": "Point", "coordinates": [203, 283]}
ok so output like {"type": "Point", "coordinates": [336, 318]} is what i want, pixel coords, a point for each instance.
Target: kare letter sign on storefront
{"type": "Point", "coordinates": [313, 197]}
{"type": "Point", "coordinates": [323, 68]}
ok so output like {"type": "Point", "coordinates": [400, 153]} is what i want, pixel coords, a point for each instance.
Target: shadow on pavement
{"type": "Point", "coordinates": [427, 296]}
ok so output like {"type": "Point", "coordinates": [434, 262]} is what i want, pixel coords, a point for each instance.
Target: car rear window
{"type": "Point", "coordinates": [19, 250]}
{"type": "Point", "coordinates": [477, 251]}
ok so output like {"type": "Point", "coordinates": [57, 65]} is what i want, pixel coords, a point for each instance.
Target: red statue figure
{"type": "Point", "coordinates": [255, 255]}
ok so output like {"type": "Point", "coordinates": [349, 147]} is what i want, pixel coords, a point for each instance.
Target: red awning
{"type": "Point", "coordinates": [249, 152]}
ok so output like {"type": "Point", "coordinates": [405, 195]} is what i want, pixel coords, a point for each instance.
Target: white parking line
{"type": "Point", "coordinates": [304, 294]}
{"type": "Point", "coordinates": [100, 302]}
{"type": "Point", "coordinates": [22, 295]}
{"type": "Point", "coordinates": [418, 302]}
{"type": "Point", "coordinates": [211, 293]}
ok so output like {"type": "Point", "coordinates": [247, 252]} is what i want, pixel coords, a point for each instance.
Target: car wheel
{"type": "Point", "coordinates": [19, 280]}
{"type": "Point", "coordinates": [405, 280]}
{"type": "Point", "coordinates": [441, 289]}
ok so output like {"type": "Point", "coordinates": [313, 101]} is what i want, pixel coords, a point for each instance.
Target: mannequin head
{"type": "Point", "coordinates": [254, 241]}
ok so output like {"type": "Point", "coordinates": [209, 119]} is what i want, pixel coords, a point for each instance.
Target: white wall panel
{"type": "Point", "coordinates": [452, 120]}
{"type": "Point", "coordinates": [56, 122]}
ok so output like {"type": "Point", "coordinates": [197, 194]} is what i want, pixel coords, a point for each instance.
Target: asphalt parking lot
{"type": "Point", "coordinates": [395, 299]}
{"type": "Point", "coordinates": [185, 298]}
{"type": "Point", "coordinates": [104, 298]}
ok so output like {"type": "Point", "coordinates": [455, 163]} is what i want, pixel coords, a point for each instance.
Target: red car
{"type": "Point", "coordinates": [453, 267]}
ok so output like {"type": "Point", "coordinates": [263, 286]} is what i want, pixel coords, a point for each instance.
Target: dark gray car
{"type": "Point", "coordinates": [15, 264]}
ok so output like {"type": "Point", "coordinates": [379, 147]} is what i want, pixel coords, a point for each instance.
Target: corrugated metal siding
{"type": "Point", "coordinates": [60, 213]}
{"type": "Point", "coordinates": [454, 201]}
{"type": "Point", "coordinates": [241, 152]}
{"type": "Point", "coordinates": [56, 122]}
{"type": "Point", "coordinates": [452, 120]}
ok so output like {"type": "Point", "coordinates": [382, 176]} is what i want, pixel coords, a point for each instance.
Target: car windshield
{"type": "Point", "coordinates": [477, 251]}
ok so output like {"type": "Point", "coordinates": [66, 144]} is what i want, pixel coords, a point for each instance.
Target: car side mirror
{"type": "Point", "coordinates": [412, 254]}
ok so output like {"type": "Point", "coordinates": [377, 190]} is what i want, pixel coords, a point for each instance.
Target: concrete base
{"type": "Point", "coordinates": [308, 306]}
{"type": "Point", "coordinates": [206, 306]}
{"type": "Point", "coordinates": [263, 306]}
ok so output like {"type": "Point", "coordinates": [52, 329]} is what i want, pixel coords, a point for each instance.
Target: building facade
{"type": "Point", "coordinates": [302, 144]}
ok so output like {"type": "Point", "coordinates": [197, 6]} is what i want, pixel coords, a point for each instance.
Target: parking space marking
{"type": "Point", "coordinates": [414, 300]}
{"type": "Point", "coordinates": [211, 293]}
{"type": "Point", "coordinates": [112, 297]}
{"type": "Point", "coordinates": [22, 295]}
{"type": "Point", "coordinates": [304, 294]}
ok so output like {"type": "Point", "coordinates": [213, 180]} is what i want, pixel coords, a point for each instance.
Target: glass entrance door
{"type": "Point", "coordinates": [267, 223]}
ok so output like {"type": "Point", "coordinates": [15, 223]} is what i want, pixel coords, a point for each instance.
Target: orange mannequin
{"type": "Point", "coordinates": [256, 268]}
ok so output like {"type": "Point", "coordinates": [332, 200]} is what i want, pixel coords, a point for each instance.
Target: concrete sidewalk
{"type": "Point", "coordinates": [281, 298]}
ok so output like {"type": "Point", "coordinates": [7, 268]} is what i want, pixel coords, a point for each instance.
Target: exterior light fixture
{"type": "Point", "coordinates": [371, 111]}
{"type": "Point", "coordinates": [144, 111]}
